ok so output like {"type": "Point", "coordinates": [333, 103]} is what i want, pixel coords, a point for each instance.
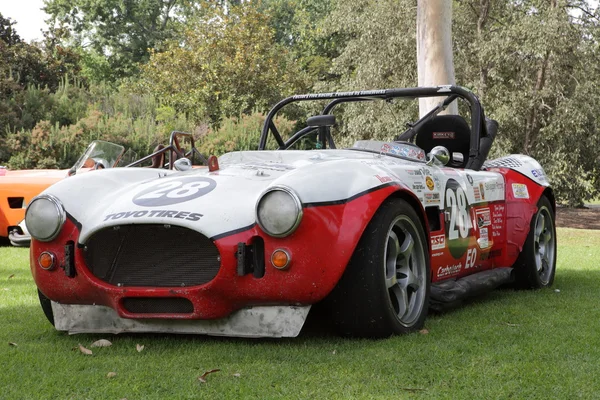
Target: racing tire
{"type": "Point", "coordinates": [536, 265]}
{"type": "Point", "coordinates": [46, 307]}
{"type": "Point", "coordinates": [385, 288]}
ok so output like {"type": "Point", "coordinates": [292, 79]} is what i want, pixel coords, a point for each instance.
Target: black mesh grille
{"type": "Point", "coordinates": [504, 162]}
{"type": "Point", "coordinates": [152, 255]}
{"type": "Point", "coordinates": [153, 305]}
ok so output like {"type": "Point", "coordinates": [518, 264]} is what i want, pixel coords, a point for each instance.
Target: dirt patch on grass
{"type": "Point", "coordinates": [580, 218]}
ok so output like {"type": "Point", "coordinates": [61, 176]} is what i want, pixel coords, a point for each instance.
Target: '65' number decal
{"type": "Point", "coordinates": [174, 191]}
{"type": "Point", "coordinates": [458, 221]}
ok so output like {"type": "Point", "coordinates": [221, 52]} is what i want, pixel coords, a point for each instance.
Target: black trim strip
{"type": "Point", "coordinates": [74, 221]}
{"type": "Point", "coordinates": [349, 199]}
{"type": "Point", "coordinates": [233, 232]}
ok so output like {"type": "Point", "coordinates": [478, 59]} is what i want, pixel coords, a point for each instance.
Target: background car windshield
{"type": "Point", "coordinates": [99, 151]}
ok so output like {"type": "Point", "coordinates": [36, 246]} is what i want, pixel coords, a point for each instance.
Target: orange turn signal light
{"type": "Point", "coordinates": [47, 260]}
{"type": "Point", "coordinates": [280, 259]}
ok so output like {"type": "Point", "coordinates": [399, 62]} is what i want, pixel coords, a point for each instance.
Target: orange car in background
{"type": "Point", "coordinates": [18, 188]}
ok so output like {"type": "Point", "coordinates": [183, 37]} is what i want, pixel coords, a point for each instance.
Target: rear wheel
{"type": "Point", "coordinates": [536, 265]}
{"type": "Point", "coordinates": [385, 288]}
{"type": "Point", "coordinates": [46, 307]}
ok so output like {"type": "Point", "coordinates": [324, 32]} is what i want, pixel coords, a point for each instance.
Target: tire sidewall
{"type": "Point", "coordinates": [393, 210]}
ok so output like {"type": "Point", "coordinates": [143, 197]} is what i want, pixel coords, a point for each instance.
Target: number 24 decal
{"type": "Point", "coordinates": [459, 215]}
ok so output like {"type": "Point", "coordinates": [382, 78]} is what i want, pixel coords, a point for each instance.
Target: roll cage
{"type": "Point", "coordinates": [480, 128]}
{"type": "Point", "coordinates": [174, 151]}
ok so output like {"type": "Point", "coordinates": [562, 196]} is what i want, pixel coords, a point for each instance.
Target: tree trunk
{"type": "Point", "coordinates": [434, 49]}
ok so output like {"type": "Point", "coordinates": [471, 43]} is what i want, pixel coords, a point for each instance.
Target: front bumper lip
{"type": "Point", "coordinates": [252, 322]}
{"type": "Point", "coordinates": [18, 239]}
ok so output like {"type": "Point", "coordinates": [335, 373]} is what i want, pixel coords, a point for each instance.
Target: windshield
{"type": "Point", "coordinates": [99, 155]}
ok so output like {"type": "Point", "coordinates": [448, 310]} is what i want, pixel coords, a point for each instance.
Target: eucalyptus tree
{"type": "Point", "coordinates": [435, 62]}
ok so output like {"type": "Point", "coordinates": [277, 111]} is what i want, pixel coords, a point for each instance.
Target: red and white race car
{"type": "Point", "coordinates": [380, 231]}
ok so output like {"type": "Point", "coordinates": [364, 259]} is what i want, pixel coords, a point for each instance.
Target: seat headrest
{"type": "Point", "coordinates": [450, 131]}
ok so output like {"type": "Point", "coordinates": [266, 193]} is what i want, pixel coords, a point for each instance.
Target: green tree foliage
{"type": "Point", "coordinates": [123, 31]}
{"type": "Point", "coordinates": [379, 51]}
{"type": "Point", "coordinates": [28, 75]}
{"type": "Point", "coordinates": [227, 64]}
{"type": "Point", "coordinates": [135, 121]}
{"type": "Point", "coordinates": [533, 63]}
{"type": "Point", "coordinates": [299, 26]}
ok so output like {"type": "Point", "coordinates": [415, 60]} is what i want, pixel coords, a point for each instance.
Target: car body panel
{"type": "Point", "coordinates": [474, 219]}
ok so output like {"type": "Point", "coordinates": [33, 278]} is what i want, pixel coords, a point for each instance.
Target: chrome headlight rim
{"type": "Point", "coordinates": [60, 211]}
{"type": "Point", "coordinates": [297, 203]}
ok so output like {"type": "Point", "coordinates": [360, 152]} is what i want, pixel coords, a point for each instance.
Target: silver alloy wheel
{"type": "Point", "coordinates": [544, 245]}
{"type": "Point", "coordinates": [405, 274]}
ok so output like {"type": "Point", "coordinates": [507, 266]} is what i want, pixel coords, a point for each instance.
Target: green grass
{"type": "Point", "coordinates": [531, 344]}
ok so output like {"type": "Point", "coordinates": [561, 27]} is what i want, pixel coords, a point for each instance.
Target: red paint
{"type": "Point", "coordinates": [318, 262]}
{"type": "Point", "coordinates": [320, 249]}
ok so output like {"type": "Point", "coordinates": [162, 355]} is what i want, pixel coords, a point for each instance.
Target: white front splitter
{"type": "Point", "coordinates": [253, 322]}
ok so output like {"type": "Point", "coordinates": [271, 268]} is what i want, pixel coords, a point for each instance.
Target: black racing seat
{"type": "Point", "coordinates": [450, 131]}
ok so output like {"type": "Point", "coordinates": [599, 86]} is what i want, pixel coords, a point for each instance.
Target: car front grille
{"type": "Point", "coordinates": [152, 255]}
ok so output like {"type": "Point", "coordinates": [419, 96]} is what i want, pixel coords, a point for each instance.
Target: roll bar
{"type": "Point", "coordinates": [451, 93]}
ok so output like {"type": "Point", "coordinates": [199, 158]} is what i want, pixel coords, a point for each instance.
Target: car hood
{"type": "Point", "coordinates": [218, 202]}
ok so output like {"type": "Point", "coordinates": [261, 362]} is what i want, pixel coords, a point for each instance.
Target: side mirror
{"type": "Point", "coordinates": [439, 156]}
{"type": "Point", "coordinates": [182, 164]}
{"type": "Point", "coordinates": [321, 120]}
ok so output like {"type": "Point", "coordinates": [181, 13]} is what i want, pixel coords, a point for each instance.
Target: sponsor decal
{"type": "Point", "coordinates": [482, 191]}
{"type": "Point", "coordinates": [174, 191]}
{"type": "Point", "coordinates": [520, 191]}
{"type": "Point", "coordinates": [449, 270]}
{"type": "Point", "coordinates": [458, 218]}
{"type": "Point", "coordinates": [438, 242]}
{"type": "Point", "coordinates": [470, 179]}
{"type": "Point", "coordinates": [443, 135]}
{"type": "Point", "coordinates": [497, 220]}
{"type": "Point", "coordinates": [476, 194]}
{"type": "Point", "coordinates": [471, 258]}
{"type": "Point", "coordinates": [429, 183]}
{"type": "Point", "coordinates": [432, 198]}
{"type": "Point", "coordinates": [339, 94]}
{"type": "Point", "coordinates": [418, 186]}
{"type": "Point", "coordinates": [386, 148]}
{"type": "Point", "coordinates": [383, 179]}
{"type": "Point", "coordinates": [438, 254]}
{"type": "Point", "coordinates": [267, 165]}
{"type": "Point", "coordinates": [539, 173]}
{"type": "Point", "coordinates": [483, 217]}
{"type": "Point", "coordinates": [494, 186]}
{"type": "Point", "coordinates": [175, 214]}
{"type": "Point", "coordinates": [484, 240]}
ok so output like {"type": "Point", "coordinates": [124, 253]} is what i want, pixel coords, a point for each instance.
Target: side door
{"type": "Point", "coordinates": [471, 207]}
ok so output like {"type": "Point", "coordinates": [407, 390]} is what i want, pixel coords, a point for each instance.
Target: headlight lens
{"type": "Point", "coordinates": [45, 216]}
{"type": "Point", "coordinates": [279, 211]}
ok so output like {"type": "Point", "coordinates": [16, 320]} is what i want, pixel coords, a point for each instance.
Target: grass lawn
{"type": "Point", "coordinates": [524, 345]}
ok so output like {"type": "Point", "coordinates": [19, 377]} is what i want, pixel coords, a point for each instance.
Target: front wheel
{"type": "Point", "coordinates": [536, 265]}
{"type": "Point", "coordinates": [385, 288]}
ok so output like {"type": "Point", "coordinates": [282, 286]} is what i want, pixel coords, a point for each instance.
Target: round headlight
{"type": "Point", "coordinates": [279, 211]}
{"type": "Point", "coordinates": [45, 217]}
